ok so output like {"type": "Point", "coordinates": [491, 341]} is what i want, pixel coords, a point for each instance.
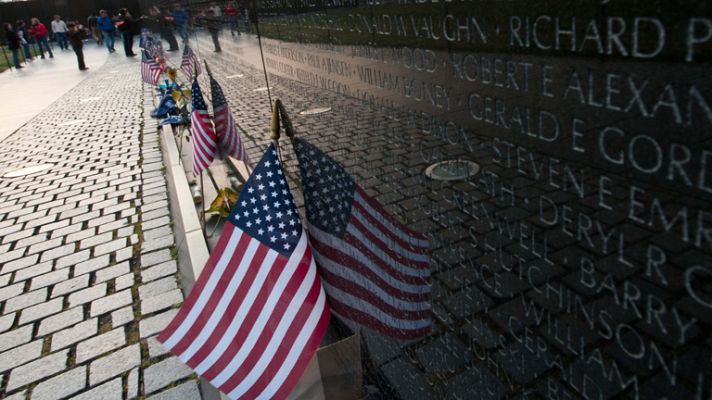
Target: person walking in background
{"type": "Point", "coordinates": [39, 32]}
{"type": "Point", "coordinates": [106, 26]}
{"type": "Point", "coordinates": [21, 30]}
{"type": "Point", "coordinates": [180, 20]}
{"type": "Point", "coordinates": [212, 24]}
{"type": "Point", "coordinates": [75, 38]}
{"type": "Point", "coordinates": [94, 29]}
{"type": "Point", "coordinates": [59, 28]}
{"type": "Point", "coordinates": [232, 14]}
{"type": "Point", "coordinates": [128, 28]}
{"type": "Point", "coordinates": [13, 42]}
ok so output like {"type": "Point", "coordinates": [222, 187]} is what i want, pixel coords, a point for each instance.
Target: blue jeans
{"type": "Point", "coordinates": [109, 40]}
{"type": "Point", "coordinates": [62, 40]}
{"type": "Point", "coordinates": [43, 41]}
{"type": "Point", "coordinates": [26, 48]}
{"type": "Point", "coordinates": [182, 31]}
{"type": "Point", "coordinates": [16, 57]}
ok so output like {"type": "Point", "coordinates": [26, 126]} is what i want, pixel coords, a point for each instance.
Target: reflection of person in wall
{"type": "Point", "coordinates": [232, 14]}
{"type": "Point", "coordinates": [13, 43]}
{"type": "Point", "coordinates": [94, 29]}
{"type": "Point", "coordinates": [163, 24]}
{"type": "Point", "coordinates": [75, 38]}
{"type": "Point", "coordinates": [180, 20]}
{"type": "Point", "coordinates": [59, 28]}
{"type": "Point", "coordinates": [39, 32]}
{"type": "Point", "coordinates": [212, 24]}
{"type": "Point", "coordinates": [128, 28]}
{"type": "Point", "coordinates": [106, 25]}
{"type": "Point", "coordinates": [25, 38]}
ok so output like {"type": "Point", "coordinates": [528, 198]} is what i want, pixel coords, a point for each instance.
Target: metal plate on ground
{"type": "Point", "coordinates": [314, 111]}
{"type": "Point", "coordinates": [452, 170]}
{"type": "Point", "coordinates": [235, 76]}
{"type": "Point", "coordinates": [263, 89]}
{"type": "Point", "coordinates": [91, 99]}
{"type": "Point", "coordinates": [27, 170]}
{"type": "Point", "coordinates": [73, 122]}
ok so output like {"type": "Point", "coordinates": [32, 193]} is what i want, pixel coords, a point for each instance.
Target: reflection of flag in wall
{"type": "Point", "coordinates": [150, 69]}
{"type": "Point", "coordinates": [189, 63]}
{"type": "Point", "coordinates": [258, 312]}
{"type": "Point", "coordinates": [201, 129]}
{"type": "Point", "coordinates": [225, 127]}
{"type": "Point", "coordinates": [374, 270]}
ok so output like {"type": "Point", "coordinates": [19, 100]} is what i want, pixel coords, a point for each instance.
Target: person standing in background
{"type": "Point", "coordinates": [39, 32]}
{"type": "Point", "coordinates": [128, 28]}
{"type": "Point", "coordinates": [94, 29]}
{"type": "Point", "coordinates": [13, 42]}
{"type": "Point", "coordinates": [232, 14]}
{"type": "Point", "coordinates": [163, 24]}
{"type": "Point", "coordinates": [21, 30]}
{"type": "Point", "coordinates": [106, 26]}
{"type": "Point", "coordinates": [59, 28]}
{"type": "Point", "coordinates": [75, 38]}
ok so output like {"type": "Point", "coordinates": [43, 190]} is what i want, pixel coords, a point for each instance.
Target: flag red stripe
{"type": "Point", "coordinates": [349, 262]}
{"type": "Point", "coordinates": [215, 296]}
{"type": "Point", "coordinates": [379, 208]}
{"type": "Point", "coordinates": [287, 341]}
{"type": "Point", "coordinates": [362, 318]}
{"type": "Point", "coordinates": [385, 230]}
{"type": "Point", "coordinates": [309, 351]}
{"type": "Point", "coordinates": [199, 285]}
{"type": "Point", "coordinates": [368, 296]}
{"type": "Point", "coordinates": [233, 306]}
{"type": "Point", "coordinates": [246, 324]}
{"type": "Point", "coordinates": [376, 242]}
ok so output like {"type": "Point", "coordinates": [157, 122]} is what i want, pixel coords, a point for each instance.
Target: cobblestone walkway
{"type": "Point", "coordinates": [87, 269]}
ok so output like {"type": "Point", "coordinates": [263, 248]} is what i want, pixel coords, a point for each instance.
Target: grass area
{"type": "Point", "coordinates": [6, 56]}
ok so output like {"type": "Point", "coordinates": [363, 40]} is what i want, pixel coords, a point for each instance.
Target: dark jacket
{"type": "Point", "coordinates": [13, 41]}
{"type": "Point", "coordinates": [75, 38]}
{"type": "Point", "coordinates": [126, 24]}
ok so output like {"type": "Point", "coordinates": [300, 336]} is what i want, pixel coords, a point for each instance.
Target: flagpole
{"type": "Point", "coordinates": [202, 207]}
{"type": "Point", "coordinates": [274, 134]}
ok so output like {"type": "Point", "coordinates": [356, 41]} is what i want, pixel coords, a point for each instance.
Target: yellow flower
{"type": "Point", "coordinates": [171, 72]}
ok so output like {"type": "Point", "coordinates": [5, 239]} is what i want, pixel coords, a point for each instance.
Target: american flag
{"type": "Point", "coordinates": [189, 63]}
{"type": "Point", "coordinates": [258, 312]}
{"type": "Point", "coordinates": [375, 270]}
{"type": "Point", "coordinates": [230, 141]}
{"type": "Point", "coordinates": [201, 128]}
{"type": "Point", "coordinates": [150, 69]}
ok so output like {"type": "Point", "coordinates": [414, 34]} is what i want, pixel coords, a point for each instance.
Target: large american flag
{"type": "Point", "coordinates": [258, 312]}
{"type": "Point", "coordinates": [189, 63]}
{"type": "Point", "coordinates": [150, 69]}
{"type": "Point", "coordinates": [201, 128]}
{"type": "Point", "coordinates": [375, 270]}
{"type": "Point", "coordinates": [225, 127]}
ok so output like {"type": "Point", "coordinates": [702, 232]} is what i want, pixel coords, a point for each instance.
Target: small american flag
{"type": "Point", "coordinates": [375, 270]}
{"type": "Point", "coordinates": [225, 127]}
{"type": "Point", "coordinates": [150, 69]}
{"type": "Point", "coordinates": [189, 63]}
{"type": "Point", "coordinates": [258, 312]}
{"type": "Point", "coordinates": [201, 128]}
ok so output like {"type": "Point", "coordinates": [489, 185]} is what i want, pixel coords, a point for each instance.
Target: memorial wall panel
{"type": "Point", "coordinates": [557, 154]}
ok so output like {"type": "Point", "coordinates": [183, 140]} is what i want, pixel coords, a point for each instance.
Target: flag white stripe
{"type": "Point", "coordinates": [353, 276]}
{"type": "Point", "coordinates": [256, 331]}
{"type": "Point", "coordinates": [384, 240]}
{"type": "Point", "coordinates": [375, 312]}
{"type": "Point", "coordinates": [276, 342]}
{"type": "Point", "coordinates": [405, 236]}
{"type": "Point", "coordinates": [205, 120]}
{"type": "Point", "coordinates": [219, 311]}
{"type": "Point", "coordinates": [210, 285]}
{"type": "Point", "coordinates": [333, 242]}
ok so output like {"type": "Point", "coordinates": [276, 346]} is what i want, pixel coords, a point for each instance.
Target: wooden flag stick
{"type": "Point", "coordinates": [274, 132]}
{"type": "Point", "coordinates": [202, 207]}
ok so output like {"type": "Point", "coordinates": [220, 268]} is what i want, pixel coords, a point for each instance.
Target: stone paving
{"type": "Point", "coordinates": [87, 269]}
